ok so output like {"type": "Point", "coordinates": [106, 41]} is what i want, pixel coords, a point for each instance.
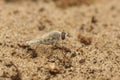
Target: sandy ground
{"type": "Point", "coordinates": [92, 52]}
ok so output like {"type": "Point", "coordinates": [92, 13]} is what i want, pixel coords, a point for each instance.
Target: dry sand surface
{"type": "Point", "coordinates": [92, 51]}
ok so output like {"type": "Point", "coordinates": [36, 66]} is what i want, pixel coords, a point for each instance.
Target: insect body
{"type": "Point", "coordinates": [50, 38]}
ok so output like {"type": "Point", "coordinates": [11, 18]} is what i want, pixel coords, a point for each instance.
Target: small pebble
{"type": "Point", "coordinates": [82, 61]}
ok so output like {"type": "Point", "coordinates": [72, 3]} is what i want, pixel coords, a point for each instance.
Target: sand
{"type": "Point", "coordinates": [92, 51]}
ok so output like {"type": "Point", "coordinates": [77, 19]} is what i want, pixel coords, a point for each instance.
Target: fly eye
{"type": "Point", "coordinates": [63, 35]}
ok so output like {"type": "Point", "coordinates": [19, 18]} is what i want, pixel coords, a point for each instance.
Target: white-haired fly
{"type": "Point", "coordinates": [50, 38]}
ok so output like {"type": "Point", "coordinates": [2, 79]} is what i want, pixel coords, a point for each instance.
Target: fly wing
{"type": "Point", "coordinates": [48, 39]}
{"type": "Point", "coordinates": [33, 42]}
